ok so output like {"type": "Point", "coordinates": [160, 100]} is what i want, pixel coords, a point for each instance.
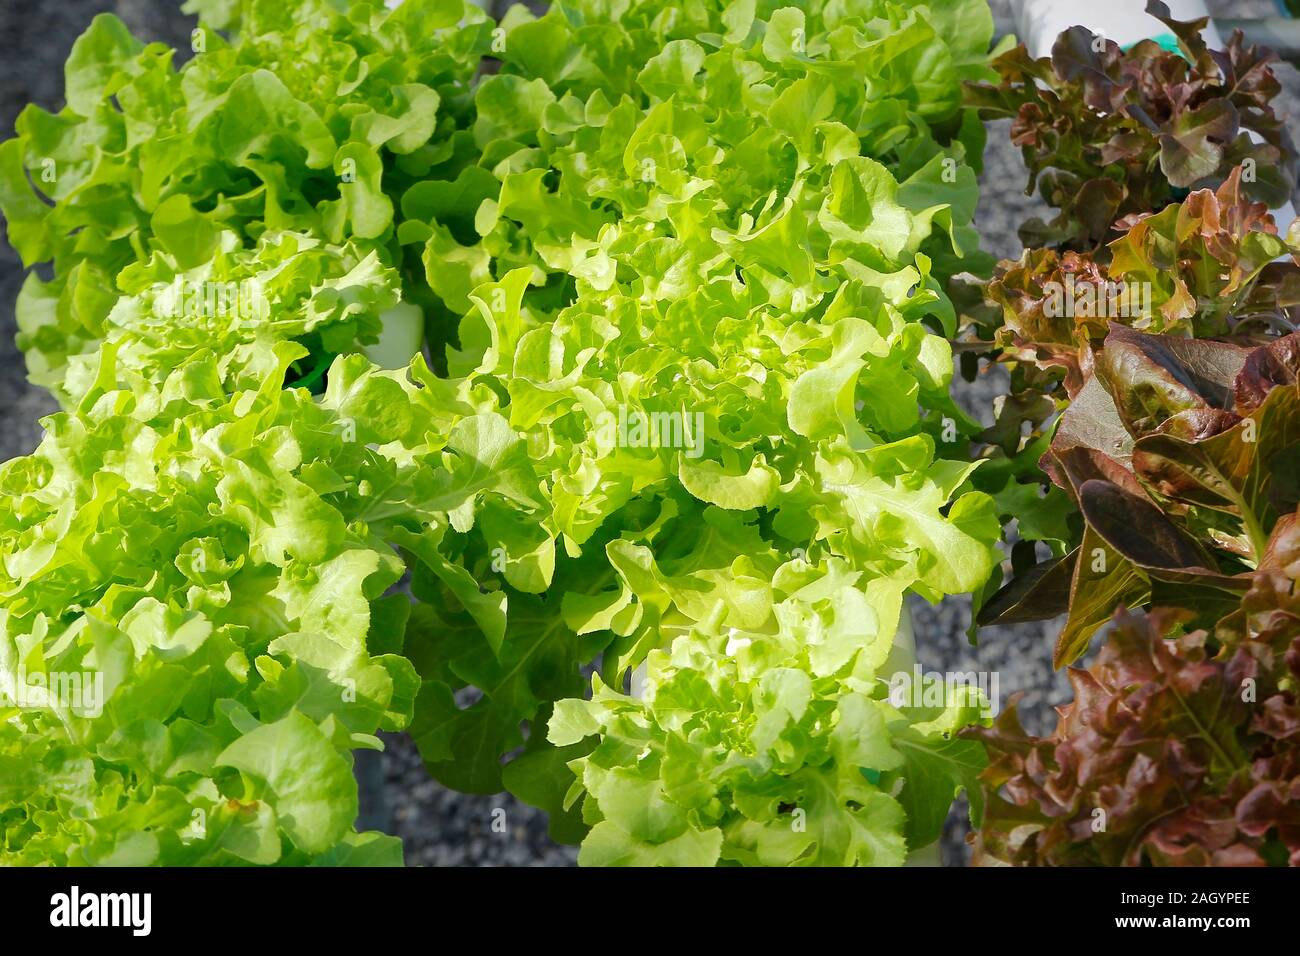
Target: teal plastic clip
{"type": "Point", "coordinates": [1167, 41]}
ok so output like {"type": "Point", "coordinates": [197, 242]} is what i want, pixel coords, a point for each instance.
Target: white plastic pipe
{"type": "Point", "coordinates": [902, 657]}
{"type": "Point", "coordinates": [1040, 22]}
{"type": "Point", "coordinates": [401, 337]}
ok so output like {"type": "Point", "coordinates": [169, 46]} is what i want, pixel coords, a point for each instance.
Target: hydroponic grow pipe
{"type": "Point", "coordinates": [1278, 33]}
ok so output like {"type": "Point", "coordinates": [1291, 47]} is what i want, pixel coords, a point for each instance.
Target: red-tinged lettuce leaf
{"type": "Point", "coordinates": [1137, 529]}
{"type": "Point", "coordinates": [1092, 423]}
{"type": "Point", "coordinates": [1277, 363]}
{"type": "Point", "coordinates": [1220, 473]}
{"type": "Point", "coordinates": [1179, 483]}
{"type": "Point", "coordinates": [1283, 551]}
{"type": "Point", "coordinates": [1180, 571]}
{"type": "Point", "coordinates": [1041, 324]}
{"type": "Point", "coordinates": [1037, 594]}
{"type": "Point", "coordinates": [620, 223]}
{"type": "Point", "coordinates": [1104, 581]}
{"type": "Point", "coordinates": [1153, 378]}
{"type": "Point", "coordinates": [1160, 397]}
{"type": "Point", "coordinates": [1161, 760]}
{"type": "Point", "coordinates": [1192, 507]}
{"type": "Point", "coordinates": [1208, 261]}
{"type": "Point", "coordinates": [1269, 615]}
{"type": "Point", "coordinates": [1192, 146]}
{"type": "Point", "coordinates": [1108, 133]}
{"type": "Point", "coordinates": [1204, 268]}
{"type": "Point", "coordinates": [1077, 465]}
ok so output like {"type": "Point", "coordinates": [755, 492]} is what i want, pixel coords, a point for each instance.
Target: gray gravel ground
{"type": "Point", "coordinates": [438, 826]}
